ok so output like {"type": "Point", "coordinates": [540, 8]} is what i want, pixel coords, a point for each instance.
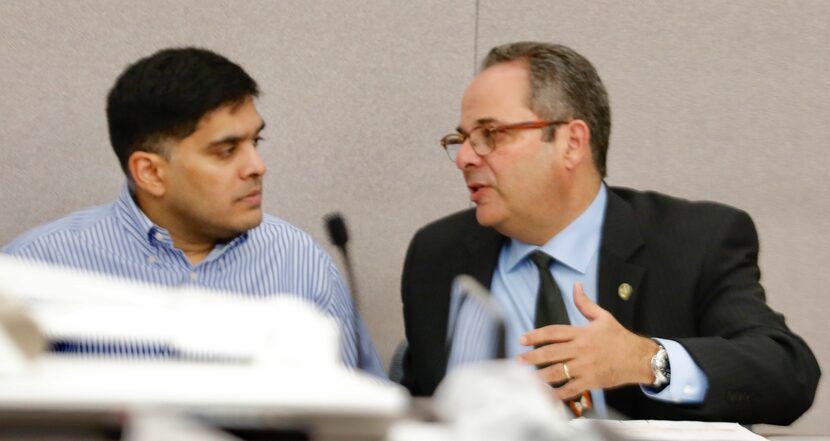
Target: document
{"type": "Point", "coordinates": [647, 430]}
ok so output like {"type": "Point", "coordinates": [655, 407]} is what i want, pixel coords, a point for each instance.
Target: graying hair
{"type": "Point", "coordinates": [563, 85]}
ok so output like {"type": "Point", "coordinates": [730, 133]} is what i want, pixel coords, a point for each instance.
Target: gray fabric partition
{"type": "Point", "coordinates": [710, 100]}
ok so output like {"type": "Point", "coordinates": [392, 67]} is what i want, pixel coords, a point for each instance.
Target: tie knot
{"type": "Point", "coordinates": [541, 259]}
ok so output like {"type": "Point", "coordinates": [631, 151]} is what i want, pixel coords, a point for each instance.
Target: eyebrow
{"type": "Point", "coordinates": [479, 122]}
{"type": "Point", "coordinates": [233, 139]}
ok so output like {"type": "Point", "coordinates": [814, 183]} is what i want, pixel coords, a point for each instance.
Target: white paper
{"type": "Point", "coordinates": [661, 430]}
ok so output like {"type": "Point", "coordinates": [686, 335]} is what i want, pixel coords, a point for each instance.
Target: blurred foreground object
{"type": "Point", "coordinates": [20, 338]}
{"type": "Point", "coordinates": [498, 400]}
{"type": "Point", "coordinates": [235, 360]}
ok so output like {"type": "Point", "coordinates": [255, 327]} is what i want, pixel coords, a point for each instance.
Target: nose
{"type": "Point", "coordinates": [254, 165]}
{"type": "Point", "coordinates": [467, 157]}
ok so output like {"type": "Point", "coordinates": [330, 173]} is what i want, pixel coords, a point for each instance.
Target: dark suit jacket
{"type": "Point", "coordinates": [693, 267]}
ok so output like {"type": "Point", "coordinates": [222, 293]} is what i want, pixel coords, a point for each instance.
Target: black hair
{"type": "Point", "coordinates": [165, 95]}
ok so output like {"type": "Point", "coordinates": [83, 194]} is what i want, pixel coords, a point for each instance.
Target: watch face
{"type": "Point", "coordinates": [660, 367]}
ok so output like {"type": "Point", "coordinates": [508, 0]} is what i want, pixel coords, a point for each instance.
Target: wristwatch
{"type": "Point", "coordinates": [660, 367]}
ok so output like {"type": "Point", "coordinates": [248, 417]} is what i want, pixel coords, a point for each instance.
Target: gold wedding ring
{"type": "Point", "coordinates": [567, 372]}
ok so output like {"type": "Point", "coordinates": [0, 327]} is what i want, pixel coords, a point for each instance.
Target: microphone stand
{"type": "Point", "coordinates": [339, 237]}
{"type": "Point", "coordinates": [467, 286]}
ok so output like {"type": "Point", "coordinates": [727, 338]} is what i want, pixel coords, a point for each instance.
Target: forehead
{"type": "Point", "coordinates": [500, 93]}
{"type": "Point", "coordinates": [240, 117]}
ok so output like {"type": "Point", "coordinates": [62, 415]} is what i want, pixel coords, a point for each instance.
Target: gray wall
{"type": "Point", "coordinates": [711, 100]}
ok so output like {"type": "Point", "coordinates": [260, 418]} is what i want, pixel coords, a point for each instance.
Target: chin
{"type": "Point", "coordinates": [487, 216]}
{"type": "Point", "coordinates": [252, 222]}
{"type": "Point", "coordinates": [244, 223]}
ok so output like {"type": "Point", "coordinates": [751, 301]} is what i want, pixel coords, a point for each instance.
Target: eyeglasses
{"type": "Point", "coordinates": [483, 138]}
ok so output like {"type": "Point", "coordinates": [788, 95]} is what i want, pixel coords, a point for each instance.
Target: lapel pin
{"type": "Point", "coordinates": [625, 290]}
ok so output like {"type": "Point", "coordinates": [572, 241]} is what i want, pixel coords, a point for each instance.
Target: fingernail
{"type": "Point", "coordinates": [523, 340]}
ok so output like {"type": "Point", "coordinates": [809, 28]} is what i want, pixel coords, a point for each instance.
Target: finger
{"type": "Point", "coordinates": [547, 334]}
{"type": "Point", "coordinates": [589, 309]}
{"type": "Point", "coordinates": [554, 375]}
{"type": "Point", "coordinates": [571, 389]}
{"type": "Point", "coordinates": [549, 354]}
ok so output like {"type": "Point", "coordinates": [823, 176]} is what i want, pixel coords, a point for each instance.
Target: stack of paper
{"type": "Point", "coordinates": [648, 430]}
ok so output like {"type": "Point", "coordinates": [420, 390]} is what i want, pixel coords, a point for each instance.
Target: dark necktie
{"type": "Point", "coordinates": [550, 310]}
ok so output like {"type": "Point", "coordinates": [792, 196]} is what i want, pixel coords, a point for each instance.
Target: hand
{"type": "Point", "coordinates": [602, 354]}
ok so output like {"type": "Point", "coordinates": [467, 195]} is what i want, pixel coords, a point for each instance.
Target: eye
{"type": "Point", "coordinates": [227, 151]}
{"type": "Point", "coordinates": [495, 133]}
{"type": "Point", "coordinates": [257, 140]}
{"type": "Point", "coordinates": [490, 132]}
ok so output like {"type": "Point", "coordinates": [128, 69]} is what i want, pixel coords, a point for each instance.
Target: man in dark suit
{"type": "Point", "coordinates": [664, 314]}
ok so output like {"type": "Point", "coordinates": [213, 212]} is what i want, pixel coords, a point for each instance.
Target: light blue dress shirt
{"type": "Point", "coordinates": [273, 258]}
{"type": "Point", "coordinates": [514, 288]}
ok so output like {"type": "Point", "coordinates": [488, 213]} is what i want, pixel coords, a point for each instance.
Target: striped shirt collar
{"type": "Point", "coordinates": [575, 245]}
{"type": "Point", "coordinates": [149, 234]}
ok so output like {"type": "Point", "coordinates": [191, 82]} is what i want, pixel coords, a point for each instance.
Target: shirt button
{"type": "Point", "coordinates": [688, 389]}
{"type": "Point", "coordinates": [193, 275]}
{"type": "Point", "coordinates": [151, 259]}
{"type": "Point", "coordinates": [158, 236]}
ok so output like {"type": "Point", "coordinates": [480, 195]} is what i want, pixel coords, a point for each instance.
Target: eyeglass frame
{"type": "Point", "coordinates": [501, 128]}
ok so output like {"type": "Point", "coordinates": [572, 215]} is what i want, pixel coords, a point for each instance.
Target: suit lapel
{"type": "Point", "coordinates": [480, 254]}
{"type": "Point", "coordinates": [620, 241]}
{"type": "Point", "coordinates": [620, 279]}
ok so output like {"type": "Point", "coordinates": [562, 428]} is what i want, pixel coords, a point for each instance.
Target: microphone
{"type": "Point", "coordinates": [466, 287]}
{"type": "Point", "coordinates": [339, 237]}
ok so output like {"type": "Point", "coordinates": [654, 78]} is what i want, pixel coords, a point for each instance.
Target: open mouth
{"type": "Point", "coordinates": [476, 190]}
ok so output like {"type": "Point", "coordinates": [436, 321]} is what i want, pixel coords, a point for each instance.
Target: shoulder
{"type": "Point", "coordinates": [452, 227]}
{"type": "Point", "coordinates": [440, 236]}
{"type": "Point", "coordinates": [278, 234]}
{"type": "Point", "coordinates": [653, 209]}
{"type": "Point", "coordinates": [303, 265]}
{"type": "Point", "coordinates": [669, 224]}
{"type": "Point", "coordinates": [274, 228]}
{"type": "Point", "coordinates": [449, 235]}
{"type": "Point", "coordinates": [62, 231]}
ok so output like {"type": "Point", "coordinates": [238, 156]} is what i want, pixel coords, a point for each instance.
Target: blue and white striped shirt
{"type": "Point", "coordinates": [275, 257]}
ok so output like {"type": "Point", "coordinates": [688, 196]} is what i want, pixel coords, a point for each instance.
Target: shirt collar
{"type": "Point", "coordinates": [136, 221]}
{"type": "Point", "coordinates": [140, 226]}
{"type": "Point", "coordinates": [575, 245]}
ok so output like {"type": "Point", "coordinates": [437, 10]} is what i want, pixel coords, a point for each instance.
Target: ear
{"type": "Point", "coordinates": [148, 171]}
{"type": "Point", "coordinates": [578, 147]}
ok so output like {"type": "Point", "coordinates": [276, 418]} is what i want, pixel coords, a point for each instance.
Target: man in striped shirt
{"type": "Point", "coordinates": [185, 128]}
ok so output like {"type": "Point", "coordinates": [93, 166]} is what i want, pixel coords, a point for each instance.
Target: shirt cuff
{"type": "Point", "coordinates": [688, 383]}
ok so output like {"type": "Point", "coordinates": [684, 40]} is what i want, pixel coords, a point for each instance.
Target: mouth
{"type": "Point", "coordinates": [253, 197]}
{"type": "Point", "coordinates": [477, 191]}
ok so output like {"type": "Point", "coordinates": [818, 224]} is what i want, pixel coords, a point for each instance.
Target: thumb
{"type": "Point", "coordinates": [589, 309]}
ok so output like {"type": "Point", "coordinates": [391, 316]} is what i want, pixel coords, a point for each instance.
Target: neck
{"type": "Point", "coordinates": [195, 247]}
{"type": "Point", "coordinates": [195, 251]}
{"type": "Point", "coordinates": [554, 215]}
